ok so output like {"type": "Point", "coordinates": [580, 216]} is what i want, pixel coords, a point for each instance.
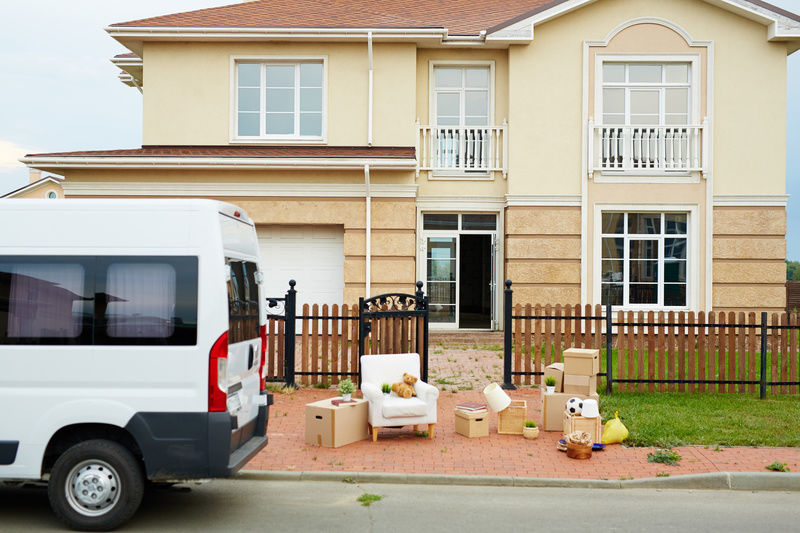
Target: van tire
{"type": "Point", "coordinates": [112, 468]}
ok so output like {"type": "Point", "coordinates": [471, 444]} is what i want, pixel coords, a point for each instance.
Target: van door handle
{"type": "Point", "coordinates": [250, 358]}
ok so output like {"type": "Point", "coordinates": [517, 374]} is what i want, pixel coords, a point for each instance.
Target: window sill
{"type": "Point", "coordinates": [279, 141]}
{"type": "Point", "coordinates": [451, 175]}
{"type": "Point", "coordinates": [635, 176]}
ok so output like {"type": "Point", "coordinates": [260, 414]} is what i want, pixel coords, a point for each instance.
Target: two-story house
{"type": "Point", "coordinates": [630, 151]}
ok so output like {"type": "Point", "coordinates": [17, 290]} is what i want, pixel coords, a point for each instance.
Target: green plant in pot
{"type": "Point", "coordinates": [386, 388]}
{"type": "Point", "coordinates": [346, 388]}
{"type": "Point", "coordinates": [550, 384]}
{"type": "Point", "coordinates": [530, 430]}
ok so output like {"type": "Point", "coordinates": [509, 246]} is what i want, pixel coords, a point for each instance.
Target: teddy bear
{"type": "Point", "coordinates": [405, 389]}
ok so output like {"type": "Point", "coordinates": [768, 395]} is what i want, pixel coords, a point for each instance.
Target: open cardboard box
{"type": "Point", "coordinates": [553, 409]}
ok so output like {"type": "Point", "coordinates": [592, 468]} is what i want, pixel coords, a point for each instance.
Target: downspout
{"type": "Point", "coordinates": [369, 90]}
{"type": "Point", "coordinates": [368, 237]}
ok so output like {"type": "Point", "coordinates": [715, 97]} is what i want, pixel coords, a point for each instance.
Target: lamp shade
{"type": "Point", "coordinates": [496, 397]}
{"type": "Point", "coordinates": [590, 409]}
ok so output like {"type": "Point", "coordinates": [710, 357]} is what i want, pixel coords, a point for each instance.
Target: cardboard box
{"type": "Point", "coordinates": [472, 424]}
{"type": "Point", "coordinates": [557, 371]}
{"type": "Point", "coordinates": [553, 409]}
{"type": "Point", "coordinates": [577, 384]}
{"type": "Point", "coordinates": [333, 426]}
{"type": "Point", "coordinates": [591, 426]}
{"type": "Point", "coordinates": [582, 362]}
{"type": "Point", "coordinates": [511, 420]}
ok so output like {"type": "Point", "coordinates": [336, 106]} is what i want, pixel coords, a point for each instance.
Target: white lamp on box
{"type": "Point", "coordinates": [496, 397]}
{"type": "Point", "coordinates": [590, 409]}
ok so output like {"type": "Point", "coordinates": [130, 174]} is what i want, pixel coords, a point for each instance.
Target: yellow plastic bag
{"type": "Point", "coordinates": [614, 431]}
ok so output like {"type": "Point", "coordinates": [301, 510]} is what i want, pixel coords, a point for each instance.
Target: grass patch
{"type": "Point", "coordinates": [368, 499]}
{"type": "Point", "coordinates": [664, 456]}
{"type": "Point", "coordinates": [777, 466]}
{"type": "Point", "coordinates": [665, 420]}
{"type": "Point", "coordinates": [443, 381]}
{"type": "Point", "coordinates": [421, 434]}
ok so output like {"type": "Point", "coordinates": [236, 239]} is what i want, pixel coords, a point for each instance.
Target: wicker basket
{"type": "Point", "coordinates": [511, 420]}
{"type": "Point", "coordinates": [579, 451]}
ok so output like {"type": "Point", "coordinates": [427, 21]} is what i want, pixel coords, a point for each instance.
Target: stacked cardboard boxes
{"type": "Point", "coordinates": [575, 377]}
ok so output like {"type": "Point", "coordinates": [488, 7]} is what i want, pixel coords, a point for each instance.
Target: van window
{"type": "Point", "coordinates": [146, 300]}
{"type": "Point", "coordinates": [141, 300]}
{"type": "Point", "coordinates": [45, 300]}
{"type": "Point", "coordinates": [242, 302]}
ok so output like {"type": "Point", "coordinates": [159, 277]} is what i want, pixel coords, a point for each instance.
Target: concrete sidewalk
{"type": "Point", "coordinates": [448, 454]}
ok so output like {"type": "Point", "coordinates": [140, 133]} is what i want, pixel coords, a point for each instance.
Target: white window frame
{"type": "Point", "coordinates": [692, 253]}
{"type": "Point", "coordinates": [695, 91]}
{"type": "Point", "coordinates": [296, 138]}
{"type": "Point", "coordinates": [432, 64]}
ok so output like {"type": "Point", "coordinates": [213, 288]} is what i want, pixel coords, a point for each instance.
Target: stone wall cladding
{"type": "Point", "coordinates": [749, 251]}
{"type": "Point", "coordinates": [542, 254]}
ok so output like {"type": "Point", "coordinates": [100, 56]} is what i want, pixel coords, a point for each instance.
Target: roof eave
{"type": "Point", "coordinates": [133, 37]}
{"type": "Point", "coordinates": [60, 163]}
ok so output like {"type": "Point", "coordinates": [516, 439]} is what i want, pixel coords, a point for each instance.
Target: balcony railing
{"type": "Point", "coordinates": [462, 151]}
{"type": "Point", "coordinates": [647, 149]}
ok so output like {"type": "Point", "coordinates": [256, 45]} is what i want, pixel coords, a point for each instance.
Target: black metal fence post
{"type": "Point", "coordinates": [507, 349]}
{"type": "Point", "coordinates": [763, 384]}
{"type": "Point", "coordinates": [609, 348]}
{"type": "Point", "coordinates": [422, 304]}
{"type": "Point", "coordinates": [289, 339]}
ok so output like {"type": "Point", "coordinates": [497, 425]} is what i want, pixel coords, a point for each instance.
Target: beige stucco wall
{"type": "Point", "coordinates": [546, 90]}
{"type": "Point", "coordinates": [749, 252]}
{"type": "Point", "coordinates": [542, 254]}
{"type": "Point", "coordinates": [187, 100]}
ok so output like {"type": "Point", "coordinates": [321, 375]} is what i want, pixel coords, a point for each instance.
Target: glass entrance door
{"type": "Point", "coordinates": [459, 269]}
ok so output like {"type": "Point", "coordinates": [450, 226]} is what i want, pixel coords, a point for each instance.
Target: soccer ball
{"type": "Point", "coordinates": [574, 406]}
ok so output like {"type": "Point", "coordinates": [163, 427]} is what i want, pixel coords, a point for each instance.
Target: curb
{"type": "Point", "coordinates": [746, 481]}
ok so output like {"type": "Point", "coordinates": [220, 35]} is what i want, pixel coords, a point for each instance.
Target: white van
{"type": "Point", "coordinates": [131, 347]}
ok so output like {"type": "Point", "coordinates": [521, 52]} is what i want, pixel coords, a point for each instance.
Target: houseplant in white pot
{"type": "Point", "coordinates": [386, 389]}
{"type": "Point", "coordinates": [530, 431]}
{"type": "Point", "coordinates": [550, 384]}
{"type": "Point", "coordinates": [346, 388]}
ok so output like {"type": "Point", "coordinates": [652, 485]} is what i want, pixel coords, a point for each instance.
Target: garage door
{"type": "Point", "coordinates": [311, 255]}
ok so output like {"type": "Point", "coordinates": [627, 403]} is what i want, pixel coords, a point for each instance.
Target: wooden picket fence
{"type": "Point", "coordinates": [326, 347]}
{"type": "Point", "coordinates": [658, 351]}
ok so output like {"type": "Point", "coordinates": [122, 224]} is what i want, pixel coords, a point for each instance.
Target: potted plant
{"type": "Point", "coordinates": [550, 384]}
{"type": "Point", "coordinates": [386, 389]}
{"type": "Point", "coordinates": [530, 431]}
{"type": "Point", "coordinates": [346, 388]}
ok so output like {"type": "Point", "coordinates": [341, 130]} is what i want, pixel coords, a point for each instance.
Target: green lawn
{"type": "Point", "coordinates": [675, 419]}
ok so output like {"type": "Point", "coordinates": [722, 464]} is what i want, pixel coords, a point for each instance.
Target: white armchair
{"type": "Point", "coordinates": [391, 410]}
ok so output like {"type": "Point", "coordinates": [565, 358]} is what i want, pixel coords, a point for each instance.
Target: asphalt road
{"type": "Point", "coordinates": [233, 505]}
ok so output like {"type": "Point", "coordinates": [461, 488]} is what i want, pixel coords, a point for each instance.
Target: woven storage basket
{"type": "Point", "coordinates": [511, 420]}
{"type": "Point", "coordinates": [579, 451]}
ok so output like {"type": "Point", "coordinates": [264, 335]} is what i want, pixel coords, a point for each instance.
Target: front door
{"type": "Point", "coordinates": [459, 269]}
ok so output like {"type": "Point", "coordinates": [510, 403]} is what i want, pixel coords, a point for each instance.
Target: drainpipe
{"type": "Point", "coordinates": [368, 238]}
{"type": "Point", "coordinates": [369, 91]}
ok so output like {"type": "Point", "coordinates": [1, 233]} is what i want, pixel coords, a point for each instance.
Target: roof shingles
{"type": "Point", "coordinates": [459, 17]}
{"type": "Point", "coordinates": [389, 152]}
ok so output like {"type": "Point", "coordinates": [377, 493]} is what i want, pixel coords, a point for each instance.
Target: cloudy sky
{"type": "Point", "coordinates": [59, 92]}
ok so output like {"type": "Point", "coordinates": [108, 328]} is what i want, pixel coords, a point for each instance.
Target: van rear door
{"type": "Point", "coordinates": [244, 347]}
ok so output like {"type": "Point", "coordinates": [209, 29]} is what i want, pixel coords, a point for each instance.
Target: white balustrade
{"type": "Point", "coordinates": [649, 149]}
{"type": "Point", "coordinates": [462, 150]}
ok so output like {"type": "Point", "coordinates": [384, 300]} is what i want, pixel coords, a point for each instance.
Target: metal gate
{"type": "Point", "coordinates": [389, 323]}
{"type": "Point", "coordinates": [394, 323]}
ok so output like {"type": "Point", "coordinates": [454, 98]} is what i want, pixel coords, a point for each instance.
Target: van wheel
{"type": "Point", "coordinates": [96, 485]}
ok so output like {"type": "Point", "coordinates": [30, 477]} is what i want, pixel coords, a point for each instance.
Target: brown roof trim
{"type": "Point", "coordinates": [776, 9]}
{"type": "Point", "coordinates": [388, 152]}
{"type": "Point", "coordinates": [530, 13]}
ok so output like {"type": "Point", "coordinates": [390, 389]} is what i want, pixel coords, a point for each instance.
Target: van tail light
{"type": "Point", "coordinates": [263, 373]}
{"type": "Point", "coordinates": [218, 375]}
